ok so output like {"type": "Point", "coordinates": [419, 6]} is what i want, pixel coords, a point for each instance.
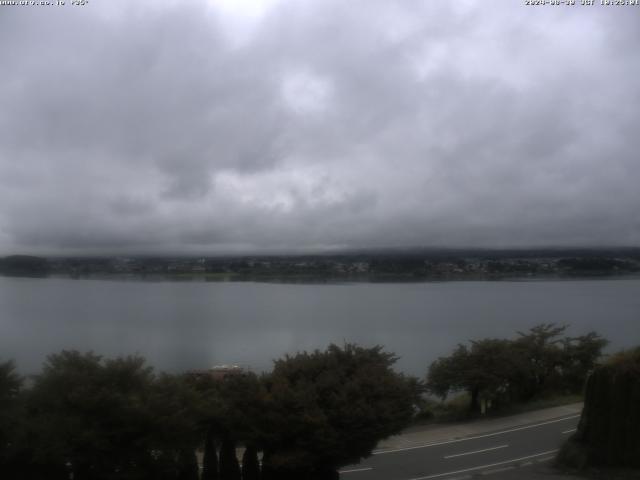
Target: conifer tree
{"type": "Point", "coordinates": [187, 465]}
{"type": "Point", "coordinates": [250, 464]}
{"type": "Point", "coordinates": [210, 458]}
{"type": "Point", "coordinates": [229, 466]}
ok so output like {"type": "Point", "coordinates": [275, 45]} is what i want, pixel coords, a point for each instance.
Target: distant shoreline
{"type": "Point", "coordinates": [391, 267]}
{"type": "Point", "coordinates": [309, 280]}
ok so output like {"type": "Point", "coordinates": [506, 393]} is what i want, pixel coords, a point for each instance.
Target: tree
{"type": "Point", "coordinates": [210, 457]}
{"type": "Point", "coordinates": [490, 371]}
{"type": "Point", "coordinates": [231, 411]}
{"type": "Point", "coordinates": [187, 464]}
{"type": "Point", "coordinates": [10, 415]}
{"type": "Point", "coordinates": [330, 408]}
{"type": "Point", "coordinates": [229, 466]}
{"type": "Point", "coordinates": [175, 429]}
{"type": "Point", "coordinates": [241, 406]}
{"type": "Point", "coordinates": [10, 383]}
{"type": "Point", "coordinates": [540, 356]}
{"type": "Point", "coordinates": [581, 357]}
{"type": "Point", "coordinates": [250, 464]}
{"type": "Point", "coordinates": [104, 418]}
{"type": "Point", "coordinates": [607, 434]}
{"type": "Point", "coordinates": [502, 370]}
{"type": "Point", "coordinates": [210, 418]}
{"type": "Point", "coordinates": [444, 373]}
{"type": "Point", "coordinates": [484, 371]}
{"type": "Point", "coordinates": [66, 404]}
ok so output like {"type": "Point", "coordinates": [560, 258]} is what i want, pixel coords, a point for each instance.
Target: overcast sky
{"type": "Point", "coordinates": [265, 125]}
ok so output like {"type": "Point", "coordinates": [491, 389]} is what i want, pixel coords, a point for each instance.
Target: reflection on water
{"type": "Point", "coordinates": [187, 325]}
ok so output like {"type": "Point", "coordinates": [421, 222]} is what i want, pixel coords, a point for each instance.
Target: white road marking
{"type": "Point", "coordinates": [476, 451]}
{"type": "Point", "coordinates": [426, 445]}
{"type": "Point", "coordinates": [569, 431]}
{"type": "Point", "coordinates": [353, 470]}
{"type": "Point", "coordinates": [481, 467]}
{"type": "Point", "coordinates": [497, 470]}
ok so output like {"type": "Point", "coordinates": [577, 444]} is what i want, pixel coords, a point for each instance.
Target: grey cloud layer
{"type": "Point", "coordinates": [160, 127]}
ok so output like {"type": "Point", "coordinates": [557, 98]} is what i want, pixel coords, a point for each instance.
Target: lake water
{"type": "Point", "coordinates": [182, 325]}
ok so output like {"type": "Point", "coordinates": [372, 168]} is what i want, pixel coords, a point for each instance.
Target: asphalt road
{"type": "Point", "coordinates": [492, 452]}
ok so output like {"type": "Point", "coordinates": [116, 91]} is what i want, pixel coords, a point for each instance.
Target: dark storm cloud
{"type": "Point", "coordinates": [192, 126]}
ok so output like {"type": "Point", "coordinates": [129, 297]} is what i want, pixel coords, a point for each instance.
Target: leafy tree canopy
{"type": "Point", "coordinates": [503, 370]}
{"type": "Point", "coordinates": [102, 417]}
{"type": "Point", "coordinates": [330, 408]}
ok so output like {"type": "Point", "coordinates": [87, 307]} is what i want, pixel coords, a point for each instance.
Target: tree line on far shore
{"type": "Point", "coordinates": [98, 418]}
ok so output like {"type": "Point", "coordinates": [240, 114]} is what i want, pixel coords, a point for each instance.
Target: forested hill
{"type": "Point", "coordinates": [24, 265]}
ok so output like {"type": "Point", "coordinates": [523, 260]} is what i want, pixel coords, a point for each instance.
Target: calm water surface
{"type": "Point", "coordinates": [181, 325]}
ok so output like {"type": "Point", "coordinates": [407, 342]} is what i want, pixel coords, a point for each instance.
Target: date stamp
{"type": "Point", "coordinates": [43, 3]}
{"type": "Point", "coordinates": [583, 3]}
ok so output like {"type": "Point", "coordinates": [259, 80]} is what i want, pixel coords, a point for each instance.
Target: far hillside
{"type": "Point", "coordinates": [24, 265]}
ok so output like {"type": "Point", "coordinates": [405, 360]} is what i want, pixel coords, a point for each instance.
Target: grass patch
{"type": "Point", "coordinates": [456, 409]}
{"type": "Point", "coordinates": [547, 401]}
